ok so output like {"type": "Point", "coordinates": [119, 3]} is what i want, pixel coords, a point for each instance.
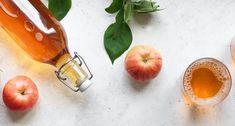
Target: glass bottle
{"type": "Point", "coordinates": [37, 32]}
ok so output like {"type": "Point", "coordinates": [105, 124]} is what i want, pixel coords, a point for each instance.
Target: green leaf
{"type": "Point", "coordinates": [59, 8]}
{"type": "Point", "coordinates": [117, 39]}
{"type": "Point", "coordinates": [128, 11]}
{"type": "Point", "coordinates": [115, 6]}
{"type": "Point", "coordinates": [145, 6]}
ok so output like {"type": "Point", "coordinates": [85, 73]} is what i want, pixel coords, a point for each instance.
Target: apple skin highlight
{"type": "Point", "coordinates": [143, 63]}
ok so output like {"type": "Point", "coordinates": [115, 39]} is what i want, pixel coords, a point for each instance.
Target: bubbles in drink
{"type": "Point", "coordinates": [207, 81]}
{"type": "Point", "coordinates": [28, 26]}
{"type": "Point", "coordinates": [39, 36]}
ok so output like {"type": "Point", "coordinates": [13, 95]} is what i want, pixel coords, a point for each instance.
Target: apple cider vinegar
{"type": "Point", "coordinates": [42, 45]}
{"type": "Point", "coordinates": [206, 81]}
{"type": "Point", "coordinates": [42, 37]}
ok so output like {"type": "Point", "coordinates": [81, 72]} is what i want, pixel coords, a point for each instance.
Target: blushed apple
{"type": "Point", "coordinates": [20, 94]}
{"type": "Point", "coordinates": [143, 62]}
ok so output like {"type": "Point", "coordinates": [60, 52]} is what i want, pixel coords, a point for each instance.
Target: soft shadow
{"type": "Point", "coordinates": [16, 116]}
{"type": "Point", "coordinates": [137, 85]}
{"type": "Point", "coordinates": [143, 18]}
{"type": "Point", "coordinates": [197, 113]}
{"type": "Point", "coordinates": [72, 97]}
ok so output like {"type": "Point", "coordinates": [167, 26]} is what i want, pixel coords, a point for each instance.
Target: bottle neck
{"type": "Point", "coordinates": [71, 73]}
{"type": "Point", "coordinates": [63, 59]}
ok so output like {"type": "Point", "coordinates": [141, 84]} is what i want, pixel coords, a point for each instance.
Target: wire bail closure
{"type": "Point", "coordinates": [80, 63]}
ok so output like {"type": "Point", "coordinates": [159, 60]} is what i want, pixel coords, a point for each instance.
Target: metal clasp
{"type": "Point", "coordinates": [80, 63]}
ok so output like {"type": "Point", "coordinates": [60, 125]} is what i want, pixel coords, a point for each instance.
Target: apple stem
{"type": "Point", "coordinates": [145, 60]}
{"type": "Point", "coordinates": [23, 92]}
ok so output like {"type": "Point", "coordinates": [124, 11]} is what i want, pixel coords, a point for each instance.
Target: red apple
{"type": "Point", "coordinates": [20, 94]}
{"type": "Point", "coordinates": [143, 63]}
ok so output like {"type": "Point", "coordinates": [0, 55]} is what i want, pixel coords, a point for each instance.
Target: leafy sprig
{"type": "Point", "coordinates": [118, 36]}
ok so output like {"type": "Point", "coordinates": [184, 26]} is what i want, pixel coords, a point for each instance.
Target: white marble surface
{"type": "Point", "coordinates": [185, 31]}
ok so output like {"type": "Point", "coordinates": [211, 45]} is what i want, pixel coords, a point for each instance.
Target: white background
{"type": "Point", "coordinates": [183, 32]}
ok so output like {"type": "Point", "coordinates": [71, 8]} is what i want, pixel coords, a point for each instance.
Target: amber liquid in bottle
{"type": "Point", "coordinates": [44, 47]}
{"type": "Point", "coordinates": [43, 39]}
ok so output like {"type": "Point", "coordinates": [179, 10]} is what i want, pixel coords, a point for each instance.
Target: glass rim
{"type": "Point", "coordinates": [230, 47]}
{"type": "Point", "coordinates": [214, 99]}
